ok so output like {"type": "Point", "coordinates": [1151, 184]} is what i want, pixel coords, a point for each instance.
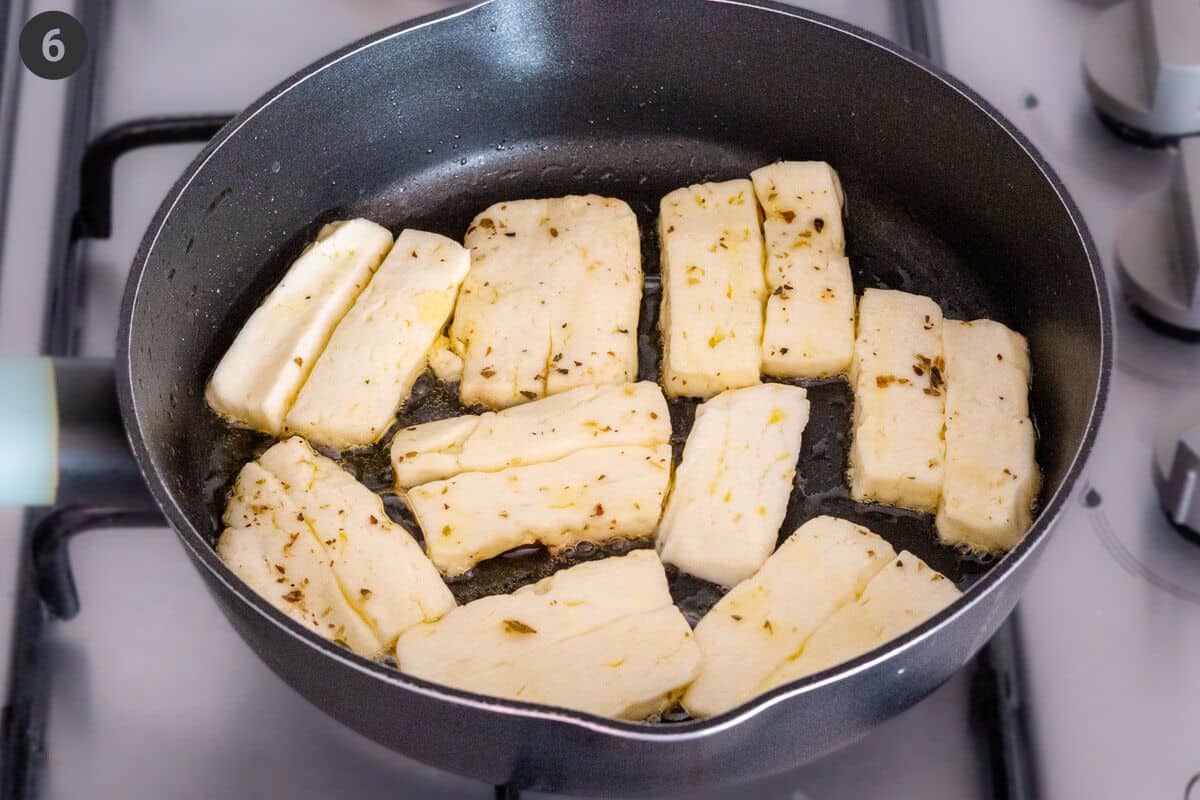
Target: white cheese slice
{"type": "Point", "coordinates": [897, 452]}
{"type": "Point", "coordinates": [627, 669]}
{"type": "Point", "coordinates": [431, 451]}
{"type": "Point", "coordinates": [602, 637]}
{"type": "Point", "coordinates": [544, 430]}
{"type": "Point", "coordinates": [277, 555]}
{"type": "Point", "coordinates": [809, 330]}
{"type": "Point", "coordinates": [991, 363]}
{"type": "Point", "coordinates": [258, 378]}
{"type": "Point", "coordinates": [552, 300]}
{"type": "Point", "coordinates": [901, 596]}
{"type": "Point", "coordinates": [762, 621]}
{"type": "Point", "coordinates": [446, 364]}
{"type": "Point", "coordinates": [594, 495]}
{"type": "Point", "coordinates": [593, 336]}
{"type": "Point", "coordinates": [991, 478]}
{"type": "Point", "coordinates": [731, 489]}
{"type": "Point", "coordinates": [386, 576]}
{"type": "Point", "coordinates": [565, 605]}
{"type": "Point", "coordinates": [379, 348]}
{"type": "Point", "coordinates": [713, 288]}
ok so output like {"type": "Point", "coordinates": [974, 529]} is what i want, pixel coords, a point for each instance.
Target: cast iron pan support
{"type": "Point", "coordinates": [99, 484]}
{"type": "Point", "coordinates": [74, 405]}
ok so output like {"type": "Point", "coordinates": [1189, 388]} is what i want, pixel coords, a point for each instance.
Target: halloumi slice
{"type": "Point", "coordinates": [379, 348]}
{"type": "Point", "coordinates": [383, 572]}
{"type": "Point", "coordinates": [901, 596]}
{"type": "Point", "coordinates": [593, 495]}
{"type": "Point", "coordinates": [627, 669]}
{"type": "Point", "coordinates": [277, 555]}
{"type": "Point", "coordinates": [446, 364]}
{"type": "Point", "coordinates": [762, 621]}
{"type": "Point", "coordinates": [731, 490]}
{"type": "Point", "coordinates": [260, 375]}
{"type": "Point", "coordinates": [544, 430]}
{"type": "Point", "coordinates": [713, 288]}
{"type": "Point", "coordinates": [552, 300]}
{"type": "Point", "coordinates": [565, 605]}
{"type": "Point", "coordinates": [809, 329]}
{"type": "Point", "coordinates": [431, 451]}
{"type": "Point", "coordinates": [991, 478]}
{"type": "Point", "coordinates": [897, 454]}
{"type": "Point", "coordinates": [602, 637]}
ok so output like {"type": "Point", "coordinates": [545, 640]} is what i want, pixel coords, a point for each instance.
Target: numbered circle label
{"type": "Point", "coordinates": [53, 45]}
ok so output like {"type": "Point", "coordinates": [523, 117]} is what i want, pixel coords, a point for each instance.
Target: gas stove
{"type": "Point", "coordinates": [147, 692]}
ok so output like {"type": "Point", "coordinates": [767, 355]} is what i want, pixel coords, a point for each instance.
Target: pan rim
{"type": "Point", "coordinates": [635, 731]}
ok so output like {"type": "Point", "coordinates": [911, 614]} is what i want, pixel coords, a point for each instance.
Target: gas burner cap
{"type": "Point", "coordinates": [1141, 66]}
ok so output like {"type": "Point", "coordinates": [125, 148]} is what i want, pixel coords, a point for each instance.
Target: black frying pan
{"type": "Point", "coordinates": [424, 125]}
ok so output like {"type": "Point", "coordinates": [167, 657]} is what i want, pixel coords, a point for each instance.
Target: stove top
{"type": "Point", "coordinates": [149, 693]}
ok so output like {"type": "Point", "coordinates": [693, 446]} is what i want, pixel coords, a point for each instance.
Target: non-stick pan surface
{"type": "Point", "coordinates": [914, 262]}
{"type": "Point", "coordinates": [426, 125]}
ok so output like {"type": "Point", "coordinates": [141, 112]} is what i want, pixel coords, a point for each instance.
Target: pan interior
{"type": "Point", "coordinates": [424, 129]}
{"type": "Point", "coordinates": [886, 248]}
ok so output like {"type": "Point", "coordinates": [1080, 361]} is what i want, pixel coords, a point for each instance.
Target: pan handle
{"type": "Point", "coordinates": [65, 448]}
{"type": "Point", "coordinates": [29, 416]}
{"type": "Point", "coordinates": [64, 443]}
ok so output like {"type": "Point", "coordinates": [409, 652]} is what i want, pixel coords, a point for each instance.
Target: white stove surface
{"type": "Point", "coordinates": [1111, 619]}
{"type": "Point", "coordinates": [153, 695]}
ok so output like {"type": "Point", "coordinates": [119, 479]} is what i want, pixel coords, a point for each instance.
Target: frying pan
{"type": "Point", "coordinates": [425, 124]}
